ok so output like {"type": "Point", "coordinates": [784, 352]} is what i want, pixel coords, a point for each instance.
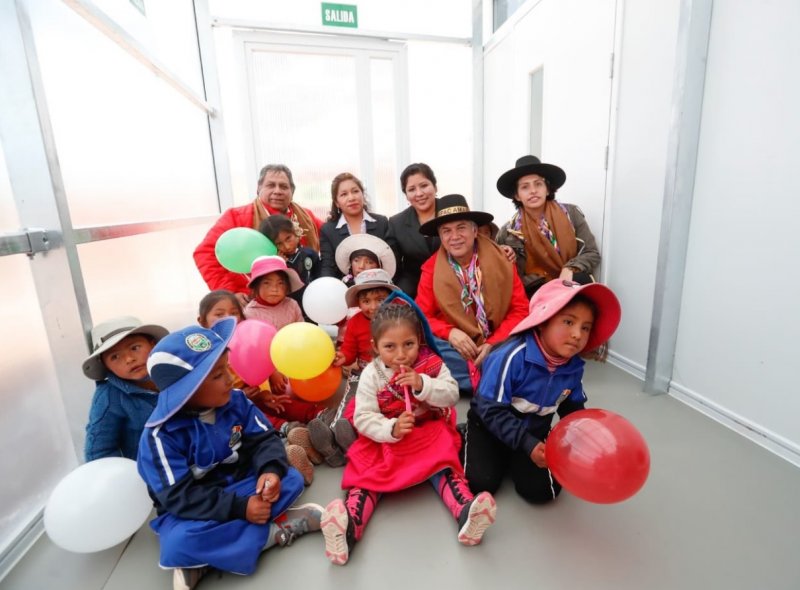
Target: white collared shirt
{"type": "Point", "coordinates": [365, 217]}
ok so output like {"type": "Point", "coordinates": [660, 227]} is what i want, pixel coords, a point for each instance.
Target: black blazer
{"type": "Point", "coordinates": [330, 238]}
{"type": "Point", "coordinates": [413, 249]}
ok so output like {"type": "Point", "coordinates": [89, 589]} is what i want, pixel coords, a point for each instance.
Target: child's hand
{"type": "Point", "coordinates": [278, 383]}
{"type": "Point", "coordinates": [251, 391]}
{"type": "Point", "coordinates": [408, 377]}
{"type": "Point", "coordinates": [276, 403]}
{"type": "Point", "coordinates": [538, 457]}
{"type": "Point", "coordinates": [258, 510]}
{"type": "Point", "coordinates": [268, 487]}
{"type": "Point", "coordinates": [338, 359]}
{"type": "Point", "coordinates": [404, 425]}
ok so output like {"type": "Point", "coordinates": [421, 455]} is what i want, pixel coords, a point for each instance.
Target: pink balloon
{"type": "Point", "coordinates": [249, 351]}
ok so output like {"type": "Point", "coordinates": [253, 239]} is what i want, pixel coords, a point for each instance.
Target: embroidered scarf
{"type": "Point", "coordinates": [392, 400]}
{"type": "Point", "coordinates": [549, 241]}
{"type": "Point", "coordinates": [298, 215]}
{"type": "Point", "coordinates": [471, 284]}
{"type": "Point", "coordinates": [495, 271]}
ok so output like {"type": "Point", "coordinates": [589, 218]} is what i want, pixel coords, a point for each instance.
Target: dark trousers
{"type": "Point", "coordinates": [487, 460]}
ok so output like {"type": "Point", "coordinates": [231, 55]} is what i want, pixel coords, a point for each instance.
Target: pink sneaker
{"type": "Point", "coordinates": [479, 515]}
{"type": "Point", "coordinates": [335, 524]}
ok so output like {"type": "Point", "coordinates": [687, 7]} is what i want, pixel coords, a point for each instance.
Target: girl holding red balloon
{"type": "Point", "coordinates": [527, 379]}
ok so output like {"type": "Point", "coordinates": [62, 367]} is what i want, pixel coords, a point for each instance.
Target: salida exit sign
{"type": "Point", "coordinates": [340, 15]}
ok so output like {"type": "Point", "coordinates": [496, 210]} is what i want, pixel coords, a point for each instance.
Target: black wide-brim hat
{"type": "Point", "coordinates": [452, 208]}
{"type": "Point", "coordinates": [507, 183]}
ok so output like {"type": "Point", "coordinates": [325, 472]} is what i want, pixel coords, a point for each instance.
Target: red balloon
{"type": "Point", "coordinates": [249, 351]}
{"type": "Point", "coordinates": [318, 388]}
{"type": "Point", "coordinates": [598, 455]}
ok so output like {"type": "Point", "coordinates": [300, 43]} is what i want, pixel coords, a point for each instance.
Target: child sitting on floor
{"type": "Point", "coordinates": [405, 401]}
{"type": "Point", "coordinates": [528, 378]}
{"type": "Point", "coordinates": [214, 466]}
{"type": "Point", "coordinates": [124, 395]}
{"type": "Point", "coordinates": [219, 304]}
{"type": "Point", "coordinates": [371, 288]}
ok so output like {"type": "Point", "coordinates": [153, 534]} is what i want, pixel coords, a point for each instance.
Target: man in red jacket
{"type": "Point", "coordinates": [468, 290]}
{"type": "Point", "coordinates": [274, 195]}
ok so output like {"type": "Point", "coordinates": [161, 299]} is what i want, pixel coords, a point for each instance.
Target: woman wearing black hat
{"type": "Point", "coordinates": [551, 239]}
{"type": "Point", "coordinates": [468, 289]}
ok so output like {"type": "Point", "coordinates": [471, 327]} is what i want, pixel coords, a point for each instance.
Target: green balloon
{"type": "Point", "coordinates": [238, 247]}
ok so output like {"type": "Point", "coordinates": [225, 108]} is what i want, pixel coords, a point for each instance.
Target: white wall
{"type": "Point", "coordinates": [737, 338]}
{"type": "Point", "coordinates": [636, 182]}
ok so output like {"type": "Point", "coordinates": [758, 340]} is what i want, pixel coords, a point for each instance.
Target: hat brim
{"type": "Point", "coordinates": [93, 366]}
{"type": "Point", "coordinates": [431, 228]}
{"type": "Point", "coordinates": [174, 397]}
{"type": "Point", "coordinates": [351, 295]}
{"type": "Point", "coordinates": [507, 183]}
{"type": "Point", "coordinates": [365, 242]}
{"type": "Point", "coordinates": [295, 282]}
{"type": "Point", "coordinates": [605, 324]}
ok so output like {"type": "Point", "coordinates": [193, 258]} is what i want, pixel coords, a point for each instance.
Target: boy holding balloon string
{"type": "Point", "coordinates": [215, 468]}
{"type": "Point", "coordinates": [529, 377]}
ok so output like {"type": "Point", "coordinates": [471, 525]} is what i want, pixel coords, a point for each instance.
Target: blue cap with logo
{"type": "Point", "coordinates": [181, 361]}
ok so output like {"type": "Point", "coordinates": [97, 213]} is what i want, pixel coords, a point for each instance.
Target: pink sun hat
{"type": "Point", "coordinates": [555, 295]}
{"type": "Point", "coordinates": [264, 265]}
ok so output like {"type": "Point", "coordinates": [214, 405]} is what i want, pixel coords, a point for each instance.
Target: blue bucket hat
{"type": "Point", "coordinates": [181, 361]}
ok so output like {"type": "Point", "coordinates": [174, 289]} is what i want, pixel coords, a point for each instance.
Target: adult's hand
{"type": "Point", "coordinates": [509, 252]}
{"type": "Point", "coordinates": [483, 350]}
{"type": "Point", "coordinates": [463, 344]}
{"type": "Point", "coordinates": [242, 298]}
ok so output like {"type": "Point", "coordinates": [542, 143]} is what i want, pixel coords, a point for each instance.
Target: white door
{"type": "Point", "coordinates": [325, 106]}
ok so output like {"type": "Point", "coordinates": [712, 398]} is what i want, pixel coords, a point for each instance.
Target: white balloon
{"type": "Point", "coordinates": [96, 506]}
{"type": "Point", "coordinates": [323, 300]}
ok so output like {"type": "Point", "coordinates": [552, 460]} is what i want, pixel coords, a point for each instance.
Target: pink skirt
{"type": "Point", "coordinates": [389, 467]}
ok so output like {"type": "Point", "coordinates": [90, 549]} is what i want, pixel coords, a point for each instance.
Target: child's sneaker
{"type": "Point", "coordinates": [299, 460]}
{"type": "Point", "coordinates": [344, 433]}
{"type": "Point", "coordinates": [336, 528]}
{"type": "Point", "coordinates": [186, 578]}
{"type": "Point", "coordinates": [299, 436]}
{"type": "Point", "coordinates": [297, 521]}
{"type": "Point", "coordinates": [476, 517]}
{"type": "Point", "coordinates": [322, 438]}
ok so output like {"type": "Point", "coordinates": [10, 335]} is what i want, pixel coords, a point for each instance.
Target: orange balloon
{"type": "Point", "coordinates": [320, 387]}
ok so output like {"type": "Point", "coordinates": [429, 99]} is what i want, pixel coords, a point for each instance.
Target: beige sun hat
{"type": "Point", "coordinates": [373, 278]}
{"type": "Point", "coordinates": [106, 334]}
{"type": "Point", "coordinates": [365, 242]}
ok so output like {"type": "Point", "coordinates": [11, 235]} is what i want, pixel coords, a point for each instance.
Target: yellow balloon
{"type": "Point", "coordinates": [301, 350]}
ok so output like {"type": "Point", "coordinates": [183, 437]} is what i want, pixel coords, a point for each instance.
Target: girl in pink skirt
{"type": "Point", "coordinates": [405, 415]}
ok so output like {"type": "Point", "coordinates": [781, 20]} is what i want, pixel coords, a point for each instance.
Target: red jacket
{"type": "Point", "coordinates": [214, 274]}
{"type": "Point", "coordinates": [440, 325]}
{"type": "Point", "coordinates": [357, 340]}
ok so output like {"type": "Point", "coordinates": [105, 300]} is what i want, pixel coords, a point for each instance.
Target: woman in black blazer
{"type": "Point", "coordinates": [349, 215]}
{"type": "Point", "coordinates": [413, 249]}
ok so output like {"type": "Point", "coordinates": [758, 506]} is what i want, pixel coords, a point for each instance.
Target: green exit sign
{"type": "Point", "coordinates": [340, 15]}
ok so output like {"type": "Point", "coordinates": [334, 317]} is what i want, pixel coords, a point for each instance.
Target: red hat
{"type": "Point", "coordinates": [555, 295]}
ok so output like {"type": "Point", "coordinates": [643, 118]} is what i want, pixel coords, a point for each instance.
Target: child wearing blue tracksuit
{"type": "Point", "coordinates": [527, 379]}
{"type": "Point", "coordinates": [124, 395]}
{"type": "Point", "coordinates": [213, 464]}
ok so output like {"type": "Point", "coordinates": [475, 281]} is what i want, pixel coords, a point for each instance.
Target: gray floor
{"type": "Point", "coordinates": [716, 512]}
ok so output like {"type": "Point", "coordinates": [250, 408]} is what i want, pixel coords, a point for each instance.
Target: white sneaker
{"type": "Point", "coordinates": [186, 578]}
{"type": "Point", "coordinates": [481, 515]}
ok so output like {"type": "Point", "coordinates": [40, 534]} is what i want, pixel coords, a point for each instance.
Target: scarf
{"type": "Point", "coordinates": [552, 360]}
{"type": "Point", "coordinates": [471, 282]}
{"type": "Point", "coordinates": [549, 241]}
{"type": "Point", "coordinates": [299, 217]}
{"type": "Point", "coordinates": [392, 399]}
{"type": "Point", "coordinates": [495, 270]}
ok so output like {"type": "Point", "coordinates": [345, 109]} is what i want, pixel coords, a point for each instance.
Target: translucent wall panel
{"type": "Point", "coordinates": [150, 276]}
{"type": "Point", "coordinates": [9, 220]}
{"type": "Point", "coordinates": [440, 117]}
{"type": "Point", "coordinates": [384, 195]}
{"type": "Point", "coordinates": [38, 449]}
{"type": "Point", "coordinates": [305, 114]}
{"type": "Point", "coordinates": [131, 148]}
